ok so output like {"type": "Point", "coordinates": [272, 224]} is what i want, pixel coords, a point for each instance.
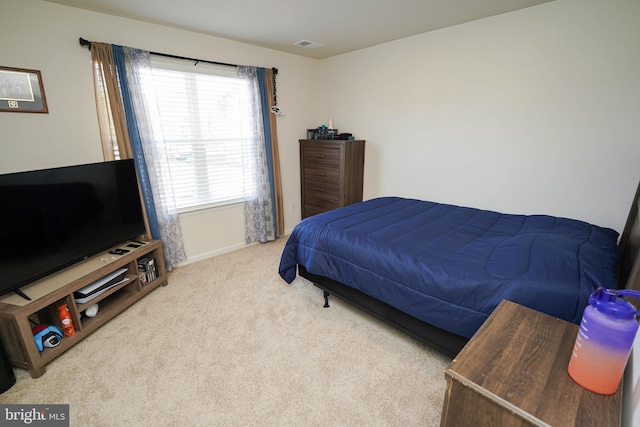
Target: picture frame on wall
{"type": "Point", "coordinates": [21, 91]}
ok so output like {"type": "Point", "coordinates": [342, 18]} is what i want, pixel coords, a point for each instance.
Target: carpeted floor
{"type": "Point", "coordinates": [229, 343]}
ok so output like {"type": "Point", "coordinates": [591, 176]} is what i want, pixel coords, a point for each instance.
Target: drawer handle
{"type": "Point", "coordinates": [321, 174]}
{"type": "Point", "coordinates": [322, 156]}
{"type": "Point", "coordinates": [320, 189]}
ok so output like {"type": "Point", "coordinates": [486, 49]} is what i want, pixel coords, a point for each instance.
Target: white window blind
{"type": "Point", "coordinates": [201, 124]}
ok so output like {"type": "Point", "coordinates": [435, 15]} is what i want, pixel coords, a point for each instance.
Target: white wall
{"type": "Point", "coordinates": [535, 111]}
{"type": "Point", "coordinates": [44, 36]}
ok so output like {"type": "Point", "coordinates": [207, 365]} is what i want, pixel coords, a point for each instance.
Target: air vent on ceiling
{"type": "Point", "coordinates": [308, 44]}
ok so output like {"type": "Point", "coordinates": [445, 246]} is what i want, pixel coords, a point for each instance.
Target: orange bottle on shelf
{"type": "Point", "coordinates": [67, 324]}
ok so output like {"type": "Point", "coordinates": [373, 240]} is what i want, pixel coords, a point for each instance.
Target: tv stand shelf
{"type": "Point", "coordinates": [18, 315]}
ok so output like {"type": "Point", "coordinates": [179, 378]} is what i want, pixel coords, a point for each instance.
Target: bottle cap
{"type": "Point", "coordinates": [609, 302]}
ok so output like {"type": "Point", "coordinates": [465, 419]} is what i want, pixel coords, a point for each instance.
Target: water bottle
{"type": "Point", "coordinates": [65, 318]}
{"type": "Point", "coordinates": [604, 341]}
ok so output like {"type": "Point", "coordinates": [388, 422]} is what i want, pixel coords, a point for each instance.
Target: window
{"type": "Point", "coordinates": [201, 125]}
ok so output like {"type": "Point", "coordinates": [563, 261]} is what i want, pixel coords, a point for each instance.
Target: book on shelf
{"type": "Point", "coordinates": [147, 270]}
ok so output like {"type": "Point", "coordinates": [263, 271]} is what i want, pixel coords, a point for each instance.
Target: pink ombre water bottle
{"type": "Point", "coordinates": [604, 341]}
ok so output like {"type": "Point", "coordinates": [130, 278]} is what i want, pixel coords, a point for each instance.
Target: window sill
{"type": "Point", "coordinates": [198, 210]}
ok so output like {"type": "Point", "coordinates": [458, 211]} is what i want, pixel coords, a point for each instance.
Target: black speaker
{"type": "Point", "coordinates": [7, 377]}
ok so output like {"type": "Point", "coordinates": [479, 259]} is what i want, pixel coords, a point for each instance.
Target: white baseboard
{"type": "Point", "coordinates": [213, 253]}
{"type": "Point", "coordinates": [224, 250]}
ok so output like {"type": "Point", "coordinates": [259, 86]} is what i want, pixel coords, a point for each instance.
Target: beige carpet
{"type": "Point", "coordinates": [229, 343]}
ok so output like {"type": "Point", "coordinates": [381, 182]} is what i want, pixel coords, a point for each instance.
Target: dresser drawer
{"type": "Point", "coordinates": [323, 190]}
{"type": "Point", "coordinates": [321, 156]}
{"type": "Point", "coordinates": [314, 205]}
{"type": "Point", "coordinates": [322, 174]}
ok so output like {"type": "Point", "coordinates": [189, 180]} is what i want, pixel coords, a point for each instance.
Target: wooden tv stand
{"type": "Point", "coordinates": [18, 315]}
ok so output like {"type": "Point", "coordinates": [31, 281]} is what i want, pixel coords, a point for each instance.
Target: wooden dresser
{"type": "Point", "coordinates": [513, 372]}
{"type": "Point", "coordinates": [330, 174]}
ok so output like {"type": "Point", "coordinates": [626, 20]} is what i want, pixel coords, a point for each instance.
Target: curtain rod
{"type": "Point", "coordinates": [87, 43]}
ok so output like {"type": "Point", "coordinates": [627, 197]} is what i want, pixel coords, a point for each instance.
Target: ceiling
{"type": "Point", "coordinates": [340, 26]}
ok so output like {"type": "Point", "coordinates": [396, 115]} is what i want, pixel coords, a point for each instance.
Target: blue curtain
{"type": "Point", "coordinates": [266, 123]}
{"type": "Point", "coordinates": [258, 204]}
{"type": "Point", "coordinates": [136, 142]}
{"type": "Point", "coordinates": [127, 114]}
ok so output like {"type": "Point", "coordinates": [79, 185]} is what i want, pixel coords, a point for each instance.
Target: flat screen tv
{"type": "Point", "coordinates": [53, 218]}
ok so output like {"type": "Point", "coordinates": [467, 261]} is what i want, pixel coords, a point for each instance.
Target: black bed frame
{"type": "Point", "coordinates": [451, 344]}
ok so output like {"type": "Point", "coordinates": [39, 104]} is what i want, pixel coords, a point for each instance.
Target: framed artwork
{"type": "Point", "coordinates": [21, 91]}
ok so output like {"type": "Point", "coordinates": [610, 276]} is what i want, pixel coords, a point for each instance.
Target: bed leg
{"type": "Point", "coordinates": [326, 299]}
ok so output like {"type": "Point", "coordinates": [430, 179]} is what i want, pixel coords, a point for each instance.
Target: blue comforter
{"type": "Point", "coordinates": [450, 266]}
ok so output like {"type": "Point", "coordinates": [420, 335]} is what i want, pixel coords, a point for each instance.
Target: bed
{"type": "Point", "coordinates": [437, 271]}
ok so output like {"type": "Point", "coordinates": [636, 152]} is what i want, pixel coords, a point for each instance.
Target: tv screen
{"type": "Point", "coordinates": [52, 218]}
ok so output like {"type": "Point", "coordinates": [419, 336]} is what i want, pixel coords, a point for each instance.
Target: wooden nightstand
{"type": "Point", "coordinates": [513, 372]}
